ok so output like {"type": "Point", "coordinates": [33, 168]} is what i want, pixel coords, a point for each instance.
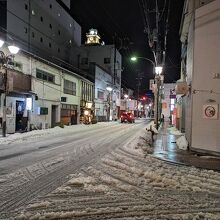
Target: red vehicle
{"type": "Point", "coordinates": [127, 117]}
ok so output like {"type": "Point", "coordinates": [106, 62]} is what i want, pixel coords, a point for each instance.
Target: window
{"type": "Point", "coordinates": [50, 25]}
{"type": "Point", "coordinates": [59, 32]}
{"type": "Point", "coordinates": [51, 6]}
{"type": "Point", "coordinates": [100, 95]}
{"type": "Point", "coordinates": [26, 6]}
{"type": "Point", "coordinates": [40, 74]}
{"type": "Point", "coordinates": [33, 35]}
{"type": "Point", "coordinates": [25, 30]}
{"type": "Point", "coordinates": [58, 50]}
{"type": "Point", "coordinates": [50, 45]}
{"type": "Point", "coordinates": [84, 60]}
{"type": "Point", "coordinates": [41, 40]}
{"type": "Point", "coordinates": [41, 19]}
{"type": "Point", "coordinates": [69, 87]}
{"type": "Point", "coordinates": [107, 60]}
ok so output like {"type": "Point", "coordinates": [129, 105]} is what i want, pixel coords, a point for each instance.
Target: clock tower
{"type": "Point", "coordinates": [92, 37]}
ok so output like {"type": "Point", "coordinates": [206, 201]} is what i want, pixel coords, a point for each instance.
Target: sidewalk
{"type": "Point", "coordinates": [165, 149]}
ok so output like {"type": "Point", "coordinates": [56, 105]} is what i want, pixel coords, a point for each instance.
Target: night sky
{"type": "Point", "coordinates": [124, 20]}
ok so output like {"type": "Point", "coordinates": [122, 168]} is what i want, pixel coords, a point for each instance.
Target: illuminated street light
{"type": "Point", "coordinates": [13, 49]}
{"type": "Point", "coordinates": [134, 58]}
{"type": "Point", "coordinates": [159, 79]}
{"type": "Point", "coordinates": [158, 70]}
{"type": "Point", "coordinates": [126, 96]}
{"type": "Point", "coordinates": [1, 43]}
{"type": "Point", "coordinates": [109, 88]}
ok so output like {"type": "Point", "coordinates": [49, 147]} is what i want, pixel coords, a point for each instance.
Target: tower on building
{"type": "Point", "coordinates": [93, 37]}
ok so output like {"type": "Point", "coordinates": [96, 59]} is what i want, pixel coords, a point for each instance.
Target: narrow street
{"type": "Point", "coordinates": [101, 172]}
{"type": "Point", "coordinates": [38, 165]}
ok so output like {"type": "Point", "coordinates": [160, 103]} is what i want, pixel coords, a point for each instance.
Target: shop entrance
{"type": "Point", "coordinates": [69, 114]}
{"type": "Point", "coordinates": [54, 110]}
{"type": "Point", "coordinates": [21, 122]}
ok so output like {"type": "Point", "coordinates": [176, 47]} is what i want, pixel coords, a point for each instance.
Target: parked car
{"type": "Point", "coordinates": [127, 117]}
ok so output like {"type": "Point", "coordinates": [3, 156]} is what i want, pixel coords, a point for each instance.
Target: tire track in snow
{"type": "Point", "coordinates": [91, 199]}
{"type": "Point", "coordinates": [40, 185]}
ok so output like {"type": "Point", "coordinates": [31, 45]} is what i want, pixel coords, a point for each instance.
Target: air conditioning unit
{"type": "Point", "coordinates": [181, 88]}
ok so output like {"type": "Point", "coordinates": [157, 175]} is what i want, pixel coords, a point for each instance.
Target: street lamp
{"type": "Point", "coordinates": [126, 96]}
{"type": "Point", "coordinates": [4, 60]}
{"type": "Point", "coordinates": [109, 88]}
{"type": "Point", "coordinates": [158, 70]}
{"type": "Point", "coordinates": [13, 49]}
{"type": "Point", "coordinates": [134, 58]}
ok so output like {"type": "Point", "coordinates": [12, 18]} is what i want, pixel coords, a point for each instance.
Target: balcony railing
{"type": "Point", "coordinates": [16, 81]}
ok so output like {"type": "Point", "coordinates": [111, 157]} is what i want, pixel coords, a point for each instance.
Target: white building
{"type": "Point", "coordinates": [200, 69]}
{"type": "Point", "coordinates": [41, 27]}
{"type": "Point", "coordinates": [109, 58]}
{"type": "Point", "coordinates": [103, 97]}
{"type": "Point", "coordinates": [41, 94]}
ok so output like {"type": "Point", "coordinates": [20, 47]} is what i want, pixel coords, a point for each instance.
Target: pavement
{"type": "Point", "coordinates": [165, 148]}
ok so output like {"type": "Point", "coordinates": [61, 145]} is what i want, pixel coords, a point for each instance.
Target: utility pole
{"type": "Point", "coordinates": [158, 61]}
{"type": "Point", "coordinates": [139, 78]}
{"type": "Point", "coordinates": [4, 102]}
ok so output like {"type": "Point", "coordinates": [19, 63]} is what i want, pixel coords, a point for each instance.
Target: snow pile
{"type": "Point", "coordinates": [152, 127]}
{"type": "Point", "coordinates": [20, 137]}
{"type": "Point", "coordinates": [86, 183]}
{"type": "Point", "coordinates": [174, 131]}
{"type": "Point", "coordinates": [182, 143]}
{"type": "Point", "coordinates": [140, 144]}
{"type": "Point", "coordinates": [81, 181]}
{"type": "Point", "coordinates": [43, 204]}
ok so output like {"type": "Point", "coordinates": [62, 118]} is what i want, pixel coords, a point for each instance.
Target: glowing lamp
{"type": "Point", "coordinates": [158, 70]}
{"type": "Point", "coordinates": [133, 58]}
{"type": "Point", "coordinates": [13, 49]}
{"type": "Point", "coordinates": [109, 88]}
{"type": "Point", "coordinates": [1, 43]}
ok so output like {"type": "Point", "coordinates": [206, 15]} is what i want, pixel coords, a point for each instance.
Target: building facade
{"type": "Point", "coordinates": [200, 71]}
{"type": "Point", "coordinates": [44, 28]}
{"type": "Point", "coordinates": [103, 97]}
{"type": "Point", "coordinates": [41, 94]}
{"type": "Point", "coordinates": [109, 58]}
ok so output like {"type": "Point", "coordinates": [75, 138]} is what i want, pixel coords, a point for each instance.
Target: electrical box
{"type": "Point", "coordinates": [181, 88]}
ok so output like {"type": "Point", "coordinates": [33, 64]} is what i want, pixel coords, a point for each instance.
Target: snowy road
{"type": "Point", "coordinates": [34, 166]}
{"type": "Point", "coordinates": [103, 175]}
